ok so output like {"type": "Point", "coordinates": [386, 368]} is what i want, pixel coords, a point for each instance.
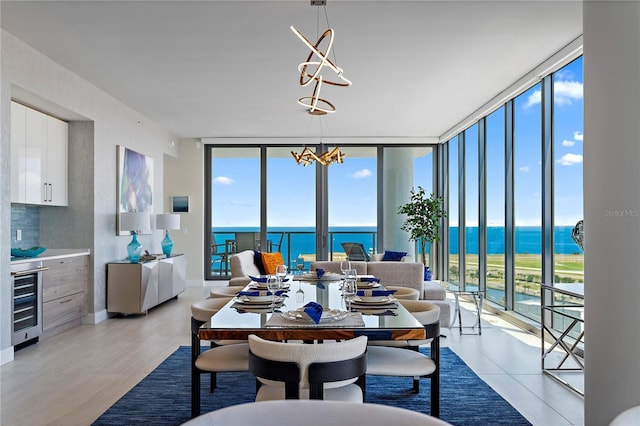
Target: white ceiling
{"type": "Point", "coordinates": [229, 68]}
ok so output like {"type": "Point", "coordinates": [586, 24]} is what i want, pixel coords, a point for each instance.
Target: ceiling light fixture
{"type": "Point", "coordinates": [315, 104]}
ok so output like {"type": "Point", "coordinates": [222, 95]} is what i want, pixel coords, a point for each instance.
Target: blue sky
{"type": "Point", "coordinates": [352, 185]}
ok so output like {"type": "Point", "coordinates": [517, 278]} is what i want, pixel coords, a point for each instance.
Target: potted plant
{"type": "Point", "coordinates": [423, 221]}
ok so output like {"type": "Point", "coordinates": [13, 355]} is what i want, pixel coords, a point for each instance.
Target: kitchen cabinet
{"type": "Point", "coordinates": [134, 288]}
{"type": "Point", "coordinates": [39, 161]}
{"type": "Point", "coordinates": [64, 294]}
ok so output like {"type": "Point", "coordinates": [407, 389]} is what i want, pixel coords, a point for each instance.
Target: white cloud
{"type": "Point", "coordinates": [565, 92]}
{"type": "Point", "coordinates": [361, 174]}
{"type": "Point", "coordinates": [534, 98]}
{"type": "Point", "coordinates": [578, 136]}
{"type": "Point", "coordinates": [524, 169]}
{"type": "Point", "coordinates": [568, 143]}
{"type": "Point", "coordinates": [570, 159]}
{"type": "Point", "coordinates": [222, 180]}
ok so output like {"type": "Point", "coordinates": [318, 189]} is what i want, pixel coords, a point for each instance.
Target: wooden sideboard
{"type": "Point", "coordinates": [134, 288]}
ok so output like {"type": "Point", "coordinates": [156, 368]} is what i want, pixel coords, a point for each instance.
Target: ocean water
{"type": "Point", "coordinates": [302, 240]}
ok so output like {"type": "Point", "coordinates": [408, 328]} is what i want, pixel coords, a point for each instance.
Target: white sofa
{"type": "Point", "coordinates": [401, 274]}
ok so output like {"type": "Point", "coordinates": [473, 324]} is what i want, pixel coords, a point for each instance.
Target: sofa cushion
{"type": "Point", "coordinates": [393, 256]}
{"type": "Point", "coordinates": [403, 274]}
{"type": "Point", "coordinates": [257, 259]}
{"type": "Point", "coordinates": [434, 291]}
{"type": "Point", "coordinates": [271, 260]}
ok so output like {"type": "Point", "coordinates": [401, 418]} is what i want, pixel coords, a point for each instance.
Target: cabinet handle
{"type": "Point", "coordinates": [46, 192]}
{"type": "Point", "coordinates": [66, 301]}
{"type": "Point", "coordinates": [50, 192]}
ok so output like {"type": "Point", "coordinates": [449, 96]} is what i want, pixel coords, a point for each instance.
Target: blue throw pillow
{"type": "Point", "coordinates": [257, 260]}
{"type": "Point", "coordinates": [393, 256]}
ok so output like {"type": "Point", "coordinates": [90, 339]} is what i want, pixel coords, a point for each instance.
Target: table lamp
{"type": "Point", "coordinates": [167, 221]}
{"type": "Point", "coordinates": [135, 222]}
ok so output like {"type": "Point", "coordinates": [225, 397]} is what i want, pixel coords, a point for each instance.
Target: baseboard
{"type": "Point", "coordinates": [96, 317]}
{"type": "Point", "coordinates": [6, 355]}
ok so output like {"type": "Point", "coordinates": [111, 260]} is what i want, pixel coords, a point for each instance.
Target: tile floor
{"type": "Point", "coordinates": [72, 378]}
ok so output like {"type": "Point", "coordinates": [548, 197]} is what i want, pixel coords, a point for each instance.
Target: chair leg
{"type": "Point", "coordinates": [195, 392]}
{"type": "Point", "coordinates": [214, 382]}
{"type": "Point", "coordinates": [416, 385]}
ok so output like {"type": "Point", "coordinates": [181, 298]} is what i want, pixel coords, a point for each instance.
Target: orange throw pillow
{"type": "Point", "coordinates": [271, 260]}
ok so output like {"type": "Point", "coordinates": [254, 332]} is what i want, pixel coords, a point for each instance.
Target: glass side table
{"type": "Point", "coordinates": [478, 298]}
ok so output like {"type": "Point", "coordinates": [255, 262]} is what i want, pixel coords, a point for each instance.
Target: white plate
{"type": "Point", "coordinates": [373, 299]}
{"type": "Point", "coordinates": [263, 286]}
{"type": "Point", "coordinates": [327, 316]}
{"type": "Point", "coordinates": [363, 285]}
{"type": "Point", "coordinates": [258, 299]}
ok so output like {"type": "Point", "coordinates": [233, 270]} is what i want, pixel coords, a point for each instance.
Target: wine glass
{"type": "Point", "coordinates": [300, 263]}
{"type": "Point", "coordinates": [281, 273]}
{"type": "Point", "coordinates": [273, 285]}
{"type": "Point", "coordinates": [349, 288]}
{"type": "Point", "coordinates": [345, 265]}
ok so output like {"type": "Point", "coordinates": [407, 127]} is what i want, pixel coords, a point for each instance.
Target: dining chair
{"type": "Point", "coordinates": [220, 253]}
{"type": "Point", "coordinates": [222, 356]}
{"type": "Point", "coordinates": [402, 358]}
{"type": "Point", "coordinates": [330, 371]}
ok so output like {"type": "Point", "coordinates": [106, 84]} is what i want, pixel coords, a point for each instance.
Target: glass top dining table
{"type": "Point", "coordinates": [231, 323]}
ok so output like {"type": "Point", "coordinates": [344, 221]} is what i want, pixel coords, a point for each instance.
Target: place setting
{"type": "Point", "coordinates": [315, 315]}
{"type": "Point", "coordinates": [374, 302]}
{"type": "Point", "coordinates": [320, 275]}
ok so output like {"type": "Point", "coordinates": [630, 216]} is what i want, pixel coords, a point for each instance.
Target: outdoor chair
{"type": "Point", "coordinates": [356, 251]}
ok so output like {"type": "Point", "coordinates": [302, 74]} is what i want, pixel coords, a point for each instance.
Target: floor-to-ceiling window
{"type": "Point", "coordinates": [291, 206]}
{"type": "Point", "coordinates": [495, 193]}
{"type": "Point", "coordinates": [529, 192]}
{"type": "Point", "coordinates": [235, 205]}
{"type": "Point", "coordinates": [527, 199]}
{"type": "Point", "coordinates": [471, 216]}
{"type": "Point", "coordinates": [258, 198]}
{"type": "Point", "coordinates": [454, 261]}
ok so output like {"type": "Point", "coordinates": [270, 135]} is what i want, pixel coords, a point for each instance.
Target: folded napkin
{"type": "Point", "coordinates": [314, 310]}
{"type": "Point", "coordinates": [369, 279]}
{"type": "Point", "coordinates": [259, 293]}
{"type": "Point", "coordinates": [264, 279]}
{"type": "Point", "coordinates": [319, 272]}
{"type": "Point", "coordinates": [374, 293]}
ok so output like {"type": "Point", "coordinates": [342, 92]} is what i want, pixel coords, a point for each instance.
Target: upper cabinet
{"type": "Point", "coordinates": [38, 157]}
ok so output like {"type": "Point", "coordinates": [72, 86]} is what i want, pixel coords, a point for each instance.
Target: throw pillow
{"type": "Point", "coordinates": [270, 261]}
{"type": "Point", "coordinates": [257, 260]}
{"type": "Point", "coordinates": [393, 256]}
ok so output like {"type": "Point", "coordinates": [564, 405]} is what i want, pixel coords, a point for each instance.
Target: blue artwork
{"type": "Point", "coordinates": [135, 182]}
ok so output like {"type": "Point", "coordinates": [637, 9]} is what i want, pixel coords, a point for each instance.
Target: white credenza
{"type": "Point", "coordinates": [134, 288]}
{"type": "Point", "coordinates": [39, 162]}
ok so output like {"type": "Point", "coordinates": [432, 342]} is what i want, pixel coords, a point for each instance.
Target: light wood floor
{"type": "Point", "coordinates": [72, 378]}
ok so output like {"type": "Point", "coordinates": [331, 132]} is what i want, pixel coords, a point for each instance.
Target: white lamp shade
{"type": "Point", "coordinates": [135, 221]}
{"type": "Point", "coordinates": [167, 221]}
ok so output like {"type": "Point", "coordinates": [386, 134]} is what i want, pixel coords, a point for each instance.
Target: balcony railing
{"type": "Point", "coordinates": [292, 244]}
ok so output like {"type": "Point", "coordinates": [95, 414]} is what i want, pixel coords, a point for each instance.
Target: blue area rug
{"type": "Point", "coordinates": [164, 396]}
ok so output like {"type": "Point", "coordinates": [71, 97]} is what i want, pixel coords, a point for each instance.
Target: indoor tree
{"type": "Point", "coordinates": [423, 219]}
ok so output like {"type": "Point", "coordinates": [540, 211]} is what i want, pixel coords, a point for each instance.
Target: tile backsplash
{"type": "Point", "coordinates": [27, 219]}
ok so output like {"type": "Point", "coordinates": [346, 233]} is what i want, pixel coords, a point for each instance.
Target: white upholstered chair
{"type": "Point", "coordinates": [330, 370]}
{"type": "Point", "coordinates": [404, 293]}
{"type": "Point", "coordinates": [402, 358]}
{"type": "Point", "coordinates": [223, 356]}
{"type": "Point", "coordinates": [313, 412]}
{"type": "Point", "coordinates": [226, 291]}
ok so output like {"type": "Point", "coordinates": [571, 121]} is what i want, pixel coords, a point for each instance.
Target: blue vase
{"type": "Point", "coordinates": [167, 244]}
{"type": "Point", "coordinates": [427, 274]}
{"type": "Point", "coordinates": [134, 249]}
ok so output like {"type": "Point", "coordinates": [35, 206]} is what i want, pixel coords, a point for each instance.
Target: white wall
{"type": "Point", "coordinates": [612, 206]}
{"type": "Point", "coordinates": [26, 72]}
{"type": "Point", "coordinates": [184, 175]}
